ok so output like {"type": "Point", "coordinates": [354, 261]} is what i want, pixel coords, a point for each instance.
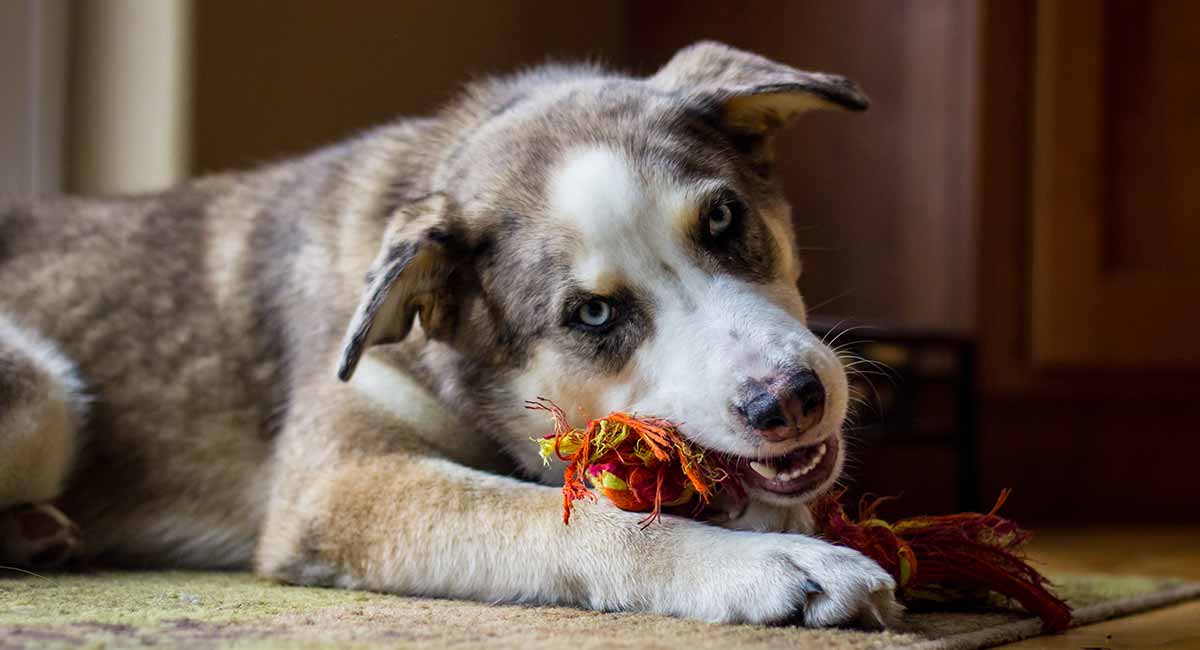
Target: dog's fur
{"type": "Point", "coordinates": [202, 377]}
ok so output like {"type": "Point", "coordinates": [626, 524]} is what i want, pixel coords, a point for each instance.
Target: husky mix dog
{"type": "Point", "coordinates": [318, 368]}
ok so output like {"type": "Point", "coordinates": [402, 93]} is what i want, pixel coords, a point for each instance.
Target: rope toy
{"type": "Point", "coordinates": [643, 464]}
{"type": "Point", "coordinates": [946, 558]}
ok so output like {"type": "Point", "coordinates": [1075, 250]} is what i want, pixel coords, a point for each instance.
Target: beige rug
{"type": "Point", "coordinates": [232, 610]}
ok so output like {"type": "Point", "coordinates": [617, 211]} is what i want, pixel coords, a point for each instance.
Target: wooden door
{"type": "Point", "coordinates": [1084, 208]}
{"type": "Point", "coordinates": [1116, 184]}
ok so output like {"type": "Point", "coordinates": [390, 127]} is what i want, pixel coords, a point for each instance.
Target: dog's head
{"type": "Point", "coordinates": [621, 244]}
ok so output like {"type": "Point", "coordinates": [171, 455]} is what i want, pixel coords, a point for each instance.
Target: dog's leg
{"type": "Point", "coordinates": [40, 410]}
{"type": "Point", "coordinates": [419, 525]}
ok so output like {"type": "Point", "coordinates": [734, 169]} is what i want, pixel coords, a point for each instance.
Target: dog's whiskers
{"type": "Point", "coordinates": [827, 301]}
{"type": "Point", "coordinates": [20, 570]}
{"type": "Point", "coordinates": [845, 331]}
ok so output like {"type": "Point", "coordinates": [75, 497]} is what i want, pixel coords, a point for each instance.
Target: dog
{"type": "Point", "coordinates": [318, 368]}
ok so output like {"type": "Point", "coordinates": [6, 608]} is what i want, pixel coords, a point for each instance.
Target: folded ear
{"type": "Point", "coordinates": [755, 95]}
{"type": "Point", "coordinates": [409, 277]}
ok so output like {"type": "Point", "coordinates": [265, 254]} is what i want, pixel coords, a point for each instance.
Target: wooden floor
{"type": "Point", "coordinates": [1142, 551]}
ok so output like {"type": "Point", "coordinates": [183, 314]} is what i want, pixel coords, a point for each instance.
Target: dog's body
{"type": "Point", "coordinates": [176, 374]}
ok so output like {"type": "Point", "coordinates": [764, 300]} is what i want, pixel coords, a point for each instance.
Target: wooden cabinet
{"type": "Point", "coordinates": [1115, 186]}
{"type": "Point", "coordinates": [1087, 202]}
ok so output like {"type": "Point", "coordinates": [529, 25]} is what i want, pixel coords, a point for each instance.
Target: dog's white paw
{"type": "Point", "coordinates": [855, 590]}
{"type": "Point", "coordinates": [742, 577]}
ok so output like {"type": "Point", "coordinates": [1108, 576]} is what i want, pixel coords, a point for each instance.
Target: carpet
{"type": "Point", "coordinates": [235, 610]}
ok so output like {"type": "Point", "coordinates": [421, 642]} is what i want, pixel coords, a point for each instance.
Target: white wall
{"type": "Point", "coordinates": [131, 89]}
{"type": "Point", "coordinates": [33, 85]}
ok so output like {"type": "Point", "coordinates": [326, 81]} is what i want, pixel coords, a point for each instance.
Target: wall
{"type": "Point", "coordinates": [274, 79]}
{"type": "Point", "coordinates": [33, 77]}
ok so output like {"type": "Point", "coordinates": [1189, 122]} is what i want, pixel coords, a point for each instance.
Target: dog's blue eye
{"type": "Point", "coordinates": [720, 217]}
{"type": "Point", "coordinates": [595, 313]}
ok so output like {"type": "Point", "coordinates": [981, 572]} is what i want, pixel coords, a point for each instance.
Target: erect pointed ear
{"type": "Point", "coordinates": [409, 277]}
{"type": "Point", "coordinates": [755, 95]}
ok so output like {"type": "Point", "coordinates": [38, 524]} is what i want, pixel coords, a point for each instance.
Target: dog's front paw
{"type": "Point", "coordinates": [37, 536]}
{"type": "Point", "coordinates": [743, 577]}
{"type": "Point", "coordinates": [854, 590]}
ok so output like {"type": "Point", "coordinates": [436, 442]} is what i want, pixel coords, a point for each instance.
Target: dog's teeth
{"type": "Point", "coordinates": [763, 470]}
{"type": "Point", "coordinates": [771, 473]}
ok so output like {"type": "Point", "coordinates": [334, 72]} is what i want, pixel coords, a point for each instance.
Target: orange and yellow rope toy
{"type": "Point", "coordinates": [643, 464]}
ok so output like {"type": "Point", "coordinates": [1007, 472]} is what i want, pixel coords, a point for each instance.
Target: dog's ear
{"type": "Point", "coordinates": [754, 95]}
{"type": "Point", "coordinates": [410, 276]}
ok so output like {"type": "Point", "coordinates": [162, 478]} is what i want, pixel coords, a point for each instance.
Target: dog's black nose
{"type": "Point", "coordinates": [785, 407]}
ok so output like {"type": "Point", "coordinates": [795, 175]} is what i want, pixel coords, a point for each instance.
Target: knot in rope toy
{"type": "Point", "coordinates": [641, 464]}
